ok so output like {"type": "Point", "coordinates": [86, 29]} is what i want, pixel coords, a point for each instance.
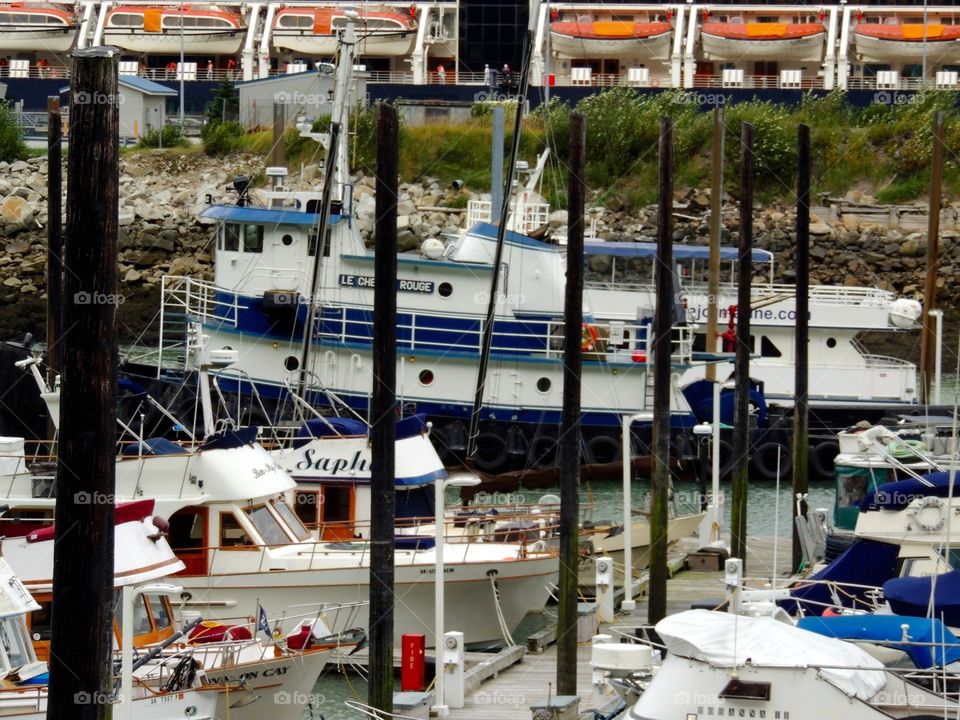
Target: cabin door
{"type": "Point", "coordinates": [38, 624]}
{"type": "Point", "coordinates": [337, 512]}
{"type": "Point", "coordinates": [189, 539]}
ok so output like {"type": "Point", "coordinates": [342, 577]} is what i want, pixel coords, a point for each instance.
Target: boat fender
{"type": "Point", "coordinates": [603, 449]}
{"type": "Point", "coordinates": [543, 452]}
{"type": "Point", "coordinates": [588, 337]}
{"type": "Point", "coordinates": [924, 504]}
{"type": "Point", "coordinates": [764, 460]}
{"type": "Point", "coordinates": [491, 452]}
{"type": "Point", "coordinates": [822, 456]}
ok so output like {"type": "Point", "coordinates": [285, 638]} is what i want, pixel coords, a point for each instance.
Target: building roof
{"type": "Point", "coordinates": [147, 87]}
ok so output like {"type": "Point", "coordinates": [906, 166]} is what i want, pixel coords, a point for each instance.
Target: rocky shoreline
{"type": "Point", "coordinates": [162, 194]}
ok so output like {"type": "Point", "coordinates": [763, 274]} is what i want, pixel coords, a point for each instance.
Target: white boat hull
{"type": "Point", "coordinates": [55, 41]}
{"type": "Point", "coordinates": [470, 609]}
{"type": "Point", "coordinates": [613, 546]}
{"type": "Point", "coordinates": [649, 48]}
{"type": "Point", "coordinates": [168, 43]}
{"type": "Point", "coordinates": [716, 47]}
{"type": "Point", "coordinates": [306, 43]}
{"type": "Point", "coordinates": [899, 52]}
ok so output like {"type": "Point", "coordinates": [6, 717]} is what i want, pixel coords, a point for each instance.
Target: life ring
{"type": "Point", "coordinates": [603, 449]}
{"type": "Point", "coordinates": [543, 452]}
{"type": "Point", "coordinates": [491, 452]}
{"type": "Point", "coordinates": [588, 337]}
{"type": "Point", "coordinates": [822, 456]}
{"type": "Point", "coordinates": [764, 460]}
{"type": "Point", "coordinates": [931, 501]}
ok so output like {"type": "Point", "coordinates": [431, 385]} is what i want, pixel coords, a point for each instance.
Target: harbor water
{"type": "Point", "coordinates": [764, 504]}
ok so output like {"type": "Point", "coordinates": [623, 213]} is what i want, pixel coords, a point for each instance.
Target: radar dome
{"type": "Point", "coordinates": [905, 313]}
{"type": "Point", "coordinates": [432, 248]}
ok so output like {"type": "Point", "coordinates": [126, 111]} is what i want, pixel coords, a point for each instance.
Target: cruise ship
{"type": "Point", "coordinates": [588, 46]}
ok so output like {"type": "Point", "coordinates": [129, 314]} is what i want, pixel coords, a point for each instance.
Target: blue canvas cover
{"type": "Point", "coordinates": [152, 446]}
{"type": "Point", "coordinates": [323, 427]}
{"type": "Point", "coordinates": [911, 596]}
{"type": "Point", "coordinates": [230, 439]}
{"type": "Point", "coordinates": [888, 629]}
{"type": "Point", "coordinates": [865, 562]}
{"type": "Point", "coordinates": [900, 493]}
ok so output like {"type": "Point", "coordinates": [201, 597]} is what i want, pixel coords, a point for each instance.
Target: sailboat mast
{"type": "Point", "coordinates": [487, 328]}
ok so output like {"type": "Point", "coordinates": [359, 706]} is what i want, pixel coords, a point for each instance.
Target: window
{"type": "Point", "coordinates": [767, 348]}
{"type": "Point", "coordinates": [287, 240]}
{"type": "Point", "coordinates": [141, 616]}
{"type": "Point", "coordinates": [232, 533]}
{"type": "Point", "coordinates": [252, 238]}
{"type": "Point", "coordinates": [312, 242]}
{"type": "Point", "coordinates": [160, 608]}
{"type": "Point", "coordinates": [306, 503]}
{"type": "Point", "coordinates": [267, 525]}
{"type": "Point", "coordinates": [186, 531]}
{"type": "Point", "coordinates": [231, 237]}
{"type": "Point", "coordinates": [445, 289]}
{"type": "Point", "coordinates": [14, 642]}
{"type": "Point", "coordinates": [40, 625]}
{"type": "Point", "coordinates": [426, 377]}
{"type": "Point", "coordinates": [543, 385]}
{"type": "Point", "coordinates": [292, 521]}
{"type": "Point", "coordinates": [336, 503]}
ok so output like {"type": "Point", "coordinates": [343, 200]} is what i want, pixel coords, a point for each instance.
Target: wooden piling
{"type": "Point", "coordinates": [662, 352]}
{"type": "Point", "coordinates": [741, 430]}
{"type": "Point", "coordinates": [716, 205]}
{"type": "Point", "coordinates": [570, 428]}
{"type": "Point", "coordinates": [927, 352]}
{"type": "Point", "coordinates": [81, 677]}
{"type": "Point", "coordinates": [54, 237]}
{"type": "Point", "coordinates": [383, 416]}
{"type": "Point", "coordinates": [801, 403]}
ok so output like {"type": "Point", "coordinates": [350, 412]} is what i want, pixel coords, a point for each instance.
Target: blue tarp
{"type": "Point", "coordinates": [865, 562]}
{"type": "Point", "coordinates": [231, 439]}
{"type": "Point", "coordinates": [911, 596]}
{"type": "Point", "coordinates": [153, 446]}
{"type": "Point", "coordinates": [325, 427]}
{"type": "Point", "coordinates": [900, 493]}
{"type": "Point", "coordinates": [888, 629]}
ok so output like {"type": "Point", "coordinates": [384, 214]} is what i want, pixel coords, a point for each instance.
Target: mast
{"type": "Point", "coordinates": [337, 164]}
{"type": "Point", "coordinates": [487, 343]}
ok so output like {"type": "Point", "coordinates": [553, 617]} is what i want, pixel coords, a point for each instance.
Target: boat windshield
{"type": "Point", "coordinates": [14, 642]}
{"type": "Point", "coordinates": [267, 525]}
{"type": "Point", "coordinates": [291, 519]}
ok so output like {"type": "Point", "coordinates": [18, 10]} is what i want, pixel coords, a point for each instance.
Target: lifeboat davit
{"type": "Point", "coordinates": [762, 41]}
{"type": "Point", "coordinates": [613, 39]}
{"type": "Point", "coordinates": [904, 42]}
{"type": "Point", "coordinates": [36, 28]}
{"type": "Point", "coordinates": [313, 31]}
{"type": "Point", "coordinates": [207, 31]}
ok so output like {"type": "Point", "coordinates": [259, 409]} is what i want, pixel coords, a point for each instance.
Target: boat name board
{"type": "Point", "coordinates": [333, 465]}
{"type": "Point", "coordinates": [366, 281]}
{"type": "Point", "coordinates": [253, 674]}
{"type": "Point", "coordinates": [267, 469]}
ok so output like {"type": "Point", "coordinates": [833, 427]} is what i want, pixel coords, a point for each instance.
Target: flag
{"type": "Point", "coordinates": [262, 623]}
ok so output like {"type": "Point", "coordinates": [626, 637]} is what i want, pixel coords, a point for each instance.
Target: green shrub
{"type": "Point", "coordinates": [170, 136]}
{"type": "Point", "coordinates": [11, 136]}
{"type": "Point", "coordinates": [221, 138]}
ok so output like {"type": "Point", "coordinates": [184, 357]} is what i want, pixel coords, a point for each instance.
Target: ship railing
{"type": "Point", "coordinates": [19, 697]}
{"type": "Point", "coordinates": [753, 82]}
{"type": "Point", "coordinates": [198, 299]}
{"type": "Point", "coordinates": [531, 215]}
{"type": "Point", "coordinates": [425, 331]}
{"type": "Point", "coordinates": [886, 362]}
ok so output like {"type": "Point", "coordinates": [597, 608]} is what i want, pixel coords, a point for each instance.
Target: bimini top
{"type": "Point", "coordinates": [728, 640]}
{"type": "Point", "coordinates": [930, 641]}
{"type": "Point", "coordinates": [264, 216]}
{"type": "Point", "coordinates": [898, 494]}
{"type": "Point", "coordinates": [680, 252]}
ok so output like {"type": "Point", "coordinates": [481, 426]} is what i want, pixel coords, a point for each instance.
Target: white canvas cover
{"type": "Point", "coordinates": [727, 640]}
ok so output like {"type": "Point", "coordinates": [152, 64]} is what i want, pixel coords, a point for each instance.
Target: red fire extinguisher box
{"type": "Point", "coordinates": [413, 666]}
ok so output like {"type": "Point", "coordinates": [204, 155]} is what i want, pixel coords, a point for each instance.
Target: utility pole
{"type": "Point", "coordinates": [54, 237]}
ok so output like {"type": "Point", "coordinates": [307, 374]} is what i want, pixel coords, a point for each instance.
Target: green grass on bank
{"type": "Point", "coordinates": [884, 149]}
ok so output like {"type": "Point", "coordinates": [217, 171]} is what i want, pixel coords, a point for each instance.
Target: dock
{"type": "Point", "coordinates": [508, 693]}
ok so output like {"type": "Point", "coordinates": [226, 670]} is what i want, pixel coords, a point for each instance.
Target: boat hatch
{"type": "Point", "coordinates": [743, 690]}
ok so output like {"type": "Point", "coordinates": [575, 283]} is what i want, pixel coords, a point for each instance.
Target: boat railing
{"type": "Point", "coordinates": [531, 215]}
{"type": "Point", "coordinates": [17, 698]}
{"type": "Point", "coordinates": [197, 299]}
{"type": "Point", "coordinates": [755, 82]}
{"type": "Point", "coordinates": [887, 362]}
{"type": "Point", "coordinates": [425, 332]}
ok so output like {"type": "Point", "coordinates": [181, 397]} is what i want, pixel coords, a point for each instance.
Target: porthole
{"type": "Point", "coordinates": [426, 377]}
{"type": "Point", "coordinates": [831, 342]}
{"type": "Point", "coordinates": [445, 289]}
{"type": "Point", "coordinates": [287, 239]}
{"type": "Point", "coordinates": [291, 363]}
{"type": "Point", "coordinates": [543, 385]}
